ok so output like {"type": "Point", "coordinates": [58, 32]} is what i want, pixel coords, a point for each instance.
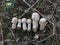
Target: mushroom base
{"type": "Point", "coordinates": [34, 30]}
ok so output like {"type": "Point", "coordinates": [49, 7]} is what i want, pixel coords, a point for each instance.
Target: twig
{"type": "Point", "coordinates": [53, 41]}
{"type": "Point", "coordinates": [13, 36]}
{"type": "Point", "coordinates": [57, 39]}
{"type": "Point", "coordinates": [45, 39]}
{"type": "Point", "coordinates": [50, 2]}
{"type": "Point", "coordinates": [8, 40]}
{"type": "Point", "coordinates": [2, 42]}
{"type": "Point", "coordinates": [28, 9]}
{"type": "Point", "coordinates": [33, 8]}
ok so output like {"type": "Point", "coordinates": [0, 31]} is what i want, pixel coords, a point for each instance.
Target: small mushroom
{"type": "Point", "coordinates": [29, 24]}
{"type": "Point", "coordinates": [24, 21]}
{"type": "Point", "coordinates": [42, 22]}
{"type": "Point", "coordinates": [19, 24]}
{"type": "Point", "coordinates": [35, 17]}
{"type": "Point", "coordinates": [14, 22]}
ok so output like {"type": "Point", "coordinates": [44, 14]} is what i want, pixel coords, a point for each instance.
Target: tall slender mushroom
{"type": "Point", "coordinates": [24, 21]}
{"type": "Point", "coordinates": [29, 24]}
{"type": "Point", "coordinates": [19, 24]}
{"type": "Point", "coordinates": [35, 17]}
{"type": "Point", "coordinates": [14, 22]}
{"type": "Point", "coordinates": [42, 22]}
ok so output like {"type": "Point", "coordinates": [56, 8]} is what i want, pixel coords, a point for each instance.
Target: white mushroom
{"type": "Point", "coordinates": [19, 23]}
{"type": "Point", "coordinates": [14, 22]}
{"type": "Point", "coordinates": [42, 22]}
{"type": "Point", "coordinates": [35, 17]}
{"type": "Point", "coordinates": [29, 24]}
{"type": "Point", "coordinates": [24, 21]}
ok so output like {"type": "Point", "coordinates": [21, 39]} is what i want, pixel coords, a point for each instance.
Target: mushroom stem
{"type": "Point", "coordinates": [19, 24]}
{"type": "Point", "coordinates": [29, 27]}
{"type": "Point", "coordinates": [13, 26]}
{"type": "Point", "coordinates": [24, 26]}
{"type": "Point", "coordinates": [29, 24]}
{"type": "Point", "coordinates": [35, 25]}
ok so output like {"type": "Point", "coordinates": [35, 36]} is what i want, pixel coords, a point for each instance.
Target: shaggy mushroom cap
{"type": "Point", "coordinates": [43, 20]}
{"type": "Point", "coordinates": [14, 20]}
{"type": "Point", "coordinates": [35, 16]}
{"type": "Point", "coordinates": [29, 21]}
{"type": "Point", "coordinates": [24, 20]}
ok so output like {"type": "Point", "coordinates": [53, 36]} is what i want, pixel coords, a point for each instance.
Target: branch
{"type": "Point", "coordinates": [28, 9]}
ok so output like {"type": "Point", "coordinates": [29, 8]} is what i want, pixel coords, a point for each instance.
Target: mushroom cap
{"type": "Point", "coordinates": [29, 21]}
{"type": "Point", "coordinates": [19, 20]}
{"type": "Point", "coordinates": [24, 20]}
{"type": "Point", "coordinates": [14, 20]}
{"type": "Point", "coordinates": [35, 16]}
{"type": "Point", "coordinates": [43, 20]}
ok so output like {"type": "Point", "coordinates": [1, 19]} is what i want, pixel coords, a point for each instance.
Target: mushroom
{"type": "Point", "coordinates": [35, 17]}
{"type": "Point", "coordinates": [29, 24]}
{"type": "Point", "coordinates": [24, 21]}
{"type": "Point", "coordinates": [14, 22]}
{"type": "Point", "coordinates": [19, 23]}
{"type": "Point", "coordinates": [42, 22]}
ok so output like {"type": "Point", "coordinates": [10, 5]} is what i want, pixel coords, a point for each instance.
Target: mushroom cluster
{"type": "Point", "coordinates": [26, 23]}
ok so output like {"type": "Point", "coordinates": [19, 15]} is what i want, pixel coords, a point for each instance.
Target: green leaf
{"type": "Point", "coordinates": [8, 4]}
{"type": "Point", "coordinates": [14, 14]}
